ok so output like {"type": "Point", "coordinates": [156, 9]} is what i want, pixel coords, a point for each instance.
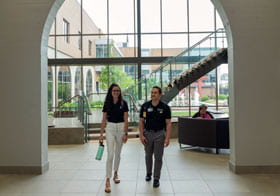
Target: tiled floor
{"type": "Point", "coordinates": [74, 172]}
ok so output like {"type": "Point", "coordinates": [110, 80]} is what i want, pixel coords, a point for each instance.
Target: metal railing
{"type": "Point", "coordinates": [174, 66]}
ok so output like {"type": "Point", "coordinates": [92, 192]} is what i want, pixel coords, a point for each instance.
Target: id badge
{"type": "Point", "coordinates": [144, 114]}
{"type": "Point", "coordinates": [150, 109]}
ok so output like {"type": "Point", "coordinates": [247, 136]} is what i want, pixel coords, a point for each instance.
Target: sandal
{"type": "Point", "coordinates": [107, 187]}
{"type": "Point", "coordinates": [116, 179]}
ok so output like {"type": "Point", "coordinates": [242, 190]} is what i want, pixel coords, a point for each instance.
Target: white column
{"type": "Point", "coordinates": [253, 33]}
{"type": "Point", "coordinates": [73, 75]}
{"type": "Point", "coordinates": [23, 117]}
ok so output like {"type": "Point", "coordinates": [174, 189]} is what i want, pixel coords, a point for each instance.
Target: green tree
{"type": "Point", "coordinates": [222, 97]}
{"type": "Point", "coordinates": [49, 95]}
{"type": "Point", "coordinates": [114, 75]}
{"type": "Point", "coordinates": [64, 91]}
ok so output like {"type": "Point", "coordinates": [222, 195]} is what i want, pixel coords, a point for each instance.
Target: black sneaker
{"type": "Point", "coordinates": [156, 183]}
{"type": "Point", "coordinates": [148, 177]}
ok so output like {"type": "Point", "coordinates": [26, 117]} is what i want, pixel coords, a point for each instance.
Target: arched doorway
{"type": "Point", "coordinates": [144, 52]}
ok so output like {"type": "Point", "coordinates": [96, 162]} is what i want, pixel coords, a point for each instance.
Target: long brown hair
{"type": "Point", "coordinates": [108, 103]}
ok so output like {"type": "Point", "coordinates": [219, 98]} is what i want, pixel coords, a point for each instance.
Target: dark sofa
{"type": "Point", "coordinates": [210, 133]}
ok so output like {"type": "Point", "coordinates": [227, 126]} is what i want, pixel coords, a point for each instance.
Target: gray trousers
{"type": "Point", "coordinates": [154, 146]}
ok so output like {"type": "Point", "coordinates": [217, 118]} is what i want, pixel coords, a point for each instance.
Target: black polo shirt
{"type": "Point", "coordinates": [115, 112]}
{"type": "Point", "coordinates": [155, 116]}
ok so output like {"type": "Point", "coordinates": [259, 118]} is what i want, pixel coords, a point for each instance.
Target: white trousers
{"type": "Point", "coordinates": [114, 135]}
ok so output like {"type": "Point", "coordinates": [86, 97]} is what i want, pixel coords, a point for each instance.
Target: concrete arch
{"type": "Point", "coordinates": [218, 5]}
{"type": "Point", "coordinates": [254, 83]}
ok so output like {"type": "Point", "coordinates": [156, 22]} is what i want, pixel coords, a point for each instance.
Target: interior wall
{"type": "Point", "coordinates": [254, 80]}
{"type": "Point", "coordinates": [23, 82]}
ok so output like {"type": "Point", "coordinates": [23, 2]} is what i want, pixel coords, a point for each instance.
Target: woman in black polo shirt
{"type": "Point", "coordinates": [115, 119]}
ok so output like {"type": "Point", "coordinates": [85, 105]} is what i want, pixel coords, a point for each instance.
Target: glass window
{"type": "Point", "coordinates": [219, 22]}
{"type": "Point", "coordinates": [77, 85]}
{"type": "Point", "coordinates": [67, 50]}
{"type": "Point", "coordinates": [174, 16]}
{"type": "Point", "coordinates": [66, 30]}
{"type": "Point", "coordinates": [101, 51]}
{"type": "Point", "coordinates": [89, 47]}
{"type": "Point", "coordinates": [109, 30]}
{"type": "Point", "coordinates": [64, 83]}
{"type": "Point", "coordinates": [89, 80]}
{"type": "Point", "coordinates": [125, 45]}
{"type": "Point", "coordinates": [121, 18]}
{"type": "Point", "coordinates": [70, 11]}
{"type": "Point", "coordinates": [80, 40]}
{"type": "Point", "coordinates": [174, 44]}
{"type": "Point", "coordinates": [151, 45]}
{"type": "Point", "coordinates": [95, 16]}
{"type": "Point", "coordinates": [150, 16]}
{"type": "Point", "coordinates": [201, 15]}
{"type": "Point", "coordinates": [223, 93]}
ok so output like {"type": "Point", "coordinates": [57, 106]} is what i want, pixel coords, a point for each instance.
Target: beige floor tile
{"type": "Point", "coordinates": [246, 194]}
{"type": "Point", "coordinates": [142, 174]}
{"type": "Point", "coordinates": [56, 174]}
{"type": "Point", "coordinates": [90, 174]}
{"type": "Point", "coordinates": [128, 165]}
{"type": "Point", "coordinates": [127, 175]}
{"type": "Point", "coordinates": [230, 186]}
{"type": "Point", "coordinates": [43, 186]}
{"type": "Point", "coordinates": [114, 193]}
{"type": "Point", "coordinates": [73, 165]}
{"type": "Point", "coordinates": [194, 194]}
{"type": "Point", "coordinates": [82, 186]}
{"type": "Point", "coordinates": [12, 184]}
{"type": "Point", "coordinates": [77, 194]}
{"type": "Point", "coordinates": [95, 164]}
{"type": "Point", "coordinates": [155, 194]}
{"type": "Point", "coordinates": [75, 172]}
{"type": "Point", "coordinates": [123, 188]}
{"type": "Point", "coordinates": [217, 174]}
{"type": "Point", "coordinates": [190, 186]}
{"type": "Point", "coordinates": [39, 194]}
{"type": "Point", "coordinates": [262, 184]}
{"type": "Point", "coordinates": [144, 187]}
{"type": "Point", "coordinates": [184, 175]}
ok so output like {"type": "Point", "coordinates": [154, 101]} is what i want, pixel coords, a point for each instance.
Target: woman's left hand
{"type": "Point", "coordinates": [124, 139]}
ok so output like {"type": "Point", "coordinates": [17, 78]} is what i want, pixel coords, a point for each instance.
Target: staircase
{"type": "Point", "coordinates": [174, 74]}
{"type": "Point", "coordinates": [192, 74]}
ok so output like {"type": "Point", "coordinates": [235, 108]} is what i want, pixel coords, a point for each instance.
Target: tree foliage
{"type": "Point", "coordinates": [114, 75]}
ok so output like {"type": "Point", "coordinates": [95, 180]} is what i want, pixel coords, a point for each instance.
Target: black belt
{"type": "Point", "coordinates": [116, 122]}
{"type": "Point", "coordinates": [149, 130]}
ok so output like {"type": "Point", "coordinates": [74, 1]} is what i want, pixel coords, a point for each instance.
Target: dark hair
{"type": "Point", "coordinates": [202, 106]}
{"type": "Point", "coordinates": [108, 103]}
{"type": "Point", "coordinates": [159, 89]}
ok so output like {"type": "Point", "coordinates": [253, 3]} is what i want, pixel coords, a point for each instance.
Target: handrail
{"type": "Point", "coordinates": [188, 49]}
{"type": "Point", "coordinates": [70, 99]}
{"type": "Point", "coordinates": [67, 100]}
{"type": "Point", "coordinates": [88, 107]}
{"type": "Point", "coordinates": [165, 62]}
{"type": "Point", "coordinates": [132, 100]}
{"type": "Point", "coordinates": [96, 94]}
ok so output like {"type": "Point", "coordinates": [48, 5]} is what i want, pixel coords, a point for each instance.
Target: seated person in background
{"type": "Point", "coordinates": [203, 113]}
